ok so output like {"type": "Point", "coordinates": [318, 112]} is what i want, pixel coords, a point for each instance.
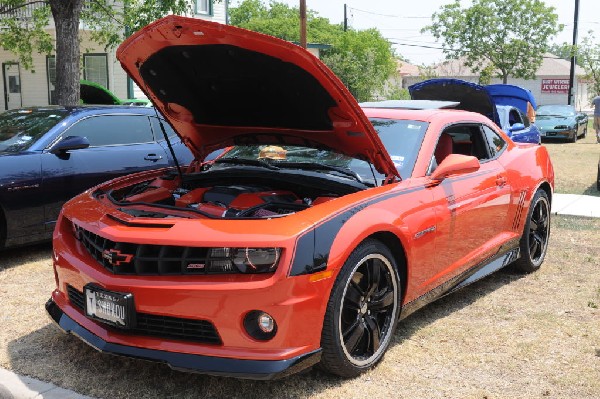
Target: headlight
{"type": "Point", "coordinates": [242, 260]}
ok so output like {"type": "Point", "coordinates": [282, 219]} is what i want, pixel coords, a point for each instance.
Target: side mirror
{"type": "Point", "coordinates": [70, 143]}
{"type": "Point", "coordinates": [455, 164]}
{"type": "Point", "coordinates": [517, 126]}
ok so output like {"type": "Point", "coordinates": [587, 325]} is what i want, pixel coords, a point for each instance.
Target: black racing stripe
{"type": "Point", "coordinates": [314, 246]}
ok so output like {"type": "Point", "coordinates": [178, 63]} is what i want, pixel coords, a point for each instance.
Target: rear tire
{"type": "Point", "coordinates": [534, 241]}
{"type": "Point", "coordinates": [362, 311]}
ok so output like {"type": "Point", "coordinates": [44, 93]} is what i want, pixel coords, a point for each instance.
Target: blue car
{"type": "Point", "coordinates": [50, 154]}
{"type": "Point", "coordinates": [505, 105]}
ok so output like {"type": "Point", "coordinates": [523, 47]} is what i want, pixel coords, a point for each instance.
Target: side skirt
{"type": "Point", "coordinates": [504, 257]}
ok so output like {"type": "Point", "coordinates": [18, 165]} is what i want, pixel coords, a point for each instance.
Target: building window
{"type": "Point", "coordinates": [95, 68]}
{"type": "Point", "coordinates": [51, 75]}
{"type": "Point", "coordinates": [204, 7]}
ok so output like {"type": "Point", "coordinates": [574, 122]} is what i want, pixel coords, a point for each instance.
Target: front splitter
{"type": "Point", "coordinates": [219, 366]}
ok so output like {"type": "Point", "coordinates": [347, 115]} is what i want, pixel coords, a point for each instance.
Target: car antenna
{"type": "Point", "coordinates": [164, 132]}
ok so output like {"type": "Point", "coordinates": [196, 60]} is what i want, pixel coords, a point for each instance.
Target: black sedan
{"type": "Point", "coordinates": [50, 154]}
{"type": "Point", "coordinates": [560, 121]}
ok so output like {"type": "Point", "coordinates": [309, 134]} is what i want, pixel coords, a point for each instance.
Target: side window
{"type": "Point", "coordinates": [467, 139]}
{"type": "Point", "coordinates": [158, 134]}
{"type": "Point", "coordinates": [113, 130]}
{"type": "Point", "coordinates": [514, 117]}
{"type": "Point", "coordinates": [495, 142]}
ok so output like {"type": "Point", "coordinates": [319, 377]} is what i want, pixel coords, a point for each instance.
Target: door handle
{"type": "Point", "coordinates": [500, 180]}
{"type": "Point", "coordinates": [152, 157]}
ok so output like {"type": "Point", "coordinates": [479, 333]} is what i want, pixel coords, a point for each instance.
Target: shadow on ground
{"type": "Point", "coordinates": [69, 363]}
{"type": "Point", "coordinates": [13, 257]}
{"type": "Point", "coordinates": [592, 190]}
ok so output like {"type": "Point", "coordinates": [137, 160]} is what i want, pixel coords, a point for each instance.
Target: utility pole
{"type": "Point", "coordinates": [303, 23]}
{"type": "Point", "coordinates": [573, 55]}
{"type": "Point", "coordinates": [345, 17]}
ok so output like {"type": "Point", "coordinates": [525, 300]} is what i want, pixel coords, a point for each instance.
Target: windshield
{"type": "Point", "coordinates": [555, 110]}
{"type": "Point", "coordinates": [20, 129]}
{"type": "Point", "coordinates": [401, 138]}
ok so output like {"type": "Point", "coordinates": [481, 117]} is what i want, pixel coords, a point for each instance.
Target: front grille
{"type": "Point", "coordinates": [143, 259]}
{"type": "Point", "coordinates": [176, 328]}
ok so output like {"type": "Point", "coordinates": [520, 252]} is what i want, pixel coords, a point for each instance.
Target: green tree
{"type": "Point", "coordinates": [588, 56]}
{"type": "Point", "coordinates": [563, 50]}
{"type": "Point", "coordinates": [509, 35]}
{"type": "Point", "coordinates": [363, 59]}
{"type": "Point", "coordinates": [24, 23]}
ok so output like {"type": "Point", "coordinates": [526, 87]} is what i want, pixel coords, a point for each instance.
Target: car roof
{"type": "Point", "coordinates": [125, 109]}
{"type": "Point", "coordinates": [426, 115]}
{"type": "Point", "coordinates": [72, 110]}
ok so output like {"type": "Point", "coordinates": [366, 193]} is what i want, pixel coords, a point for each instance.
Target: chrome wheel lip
{"type": "Point", "coordinates": [545, 207]}
{"type": "Point", "coordinates": [387, 335]}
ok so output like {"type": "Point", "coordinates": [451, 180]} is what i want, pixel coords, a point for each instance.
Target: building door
{"type": "Point", "coordinates": [12, 86]}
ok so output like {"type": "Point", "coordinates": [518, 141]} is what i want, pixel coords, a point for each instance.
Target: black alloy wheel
{"type": "Point", "coordinates": [573, 139]}
{"type": "Point", "coordinates": [362, 312]}
{"type": "Point", "coordinates": [534, 242]}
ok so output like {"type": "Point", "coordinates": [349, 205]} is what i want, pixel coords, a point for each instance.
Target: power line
{"type": "Point", "coordinates": [443, 48]}
{"type": "Point", "coordinates": [388, 15]}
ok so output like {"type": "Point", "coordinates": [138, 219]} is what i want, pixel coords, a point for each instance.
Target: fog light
{"type": "Point", "coordinates": [260, 325]}
{"type": "Point", "coordinates": [266, 323]}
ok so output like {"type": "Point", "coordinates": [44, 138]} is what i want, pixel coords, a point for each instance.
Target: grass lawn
{"type": "Point", "coordinates": [576, 164]}
{"type": "Point", "coordinates": [506, 336]}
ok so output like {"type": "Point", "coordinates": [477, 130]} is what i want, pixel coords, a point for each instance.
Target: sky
{"type": "Point", "coordinates": [401, 21]}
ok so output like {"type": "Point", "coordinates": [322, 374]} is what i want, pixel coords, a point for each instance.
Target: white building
{"type": "Point", "coordinates": [22, 88]}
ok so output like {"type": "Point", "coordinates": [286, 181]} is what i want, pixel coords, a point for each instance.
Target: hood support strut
{"type": "Point", "coordinates": [164, 132]}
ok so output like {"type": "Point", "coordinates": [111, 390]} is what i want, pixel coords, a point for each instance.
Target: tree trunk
{"type": "Point", "coordinates": [505, 77]}
{"type": "Point", "coordinates": [66, 19]}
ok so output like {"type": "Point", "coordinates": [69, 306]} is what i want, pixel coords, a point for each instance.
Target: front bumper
{"type": "Point", "coordinates": [557, 134]}
{"type": "Point", "coordinates": [238, 368]}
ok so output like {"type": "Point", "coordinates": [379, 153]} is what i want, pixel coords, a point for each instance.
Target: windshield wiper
{"type": "Point", "coordinates": [318, 166]}
{"type": "Point", "coordinates": [246, 161]}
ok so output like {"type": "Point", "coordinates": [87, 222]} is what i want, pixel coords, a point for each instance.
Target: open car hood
{"type": "Point", "coordinates": [471, 96]}
{"type": "Point", "coordinates": [219, 85]}
{"type": "Point", "coordinates": [93, 93]}
{"type": "Point", "coordinates": [516, 96]}
{"type": "Point", "coordinates": [474, 97]}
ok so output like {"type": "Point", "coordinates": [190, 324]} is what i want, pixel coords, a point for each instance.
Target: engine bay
{"type": "Point", "coordinates": [221, 196]}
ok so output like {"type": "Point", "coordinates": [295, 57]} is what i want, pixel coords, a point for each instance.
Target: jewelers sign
{"type": "Point", "coordinates": [555, 86]}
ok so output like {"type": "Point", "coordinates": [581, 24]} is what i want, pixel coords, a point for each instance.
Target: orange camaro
{"type": "Point", "coordinates": [320, 227]}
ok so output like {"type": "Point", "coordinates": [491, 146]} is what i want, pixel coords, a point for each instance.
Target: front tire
{"type": "Point", "coordinates": [534, 241]}
{"type": "Point", "coordinates": [362, 311]}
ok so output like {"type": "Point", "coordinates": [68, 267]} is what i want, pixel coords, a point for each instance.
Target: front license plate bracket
{"type": "Point", "coordinates": [114, 308]}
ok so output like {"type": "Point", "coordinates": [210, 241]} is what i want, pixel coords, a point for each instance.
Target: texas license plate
{"type": "Point", "coordinates": [114, 308]}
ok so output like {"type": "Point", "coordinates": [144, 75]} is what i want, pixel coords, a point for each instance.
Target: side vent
{"type": "Point", "coordinates": [519, 212]}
